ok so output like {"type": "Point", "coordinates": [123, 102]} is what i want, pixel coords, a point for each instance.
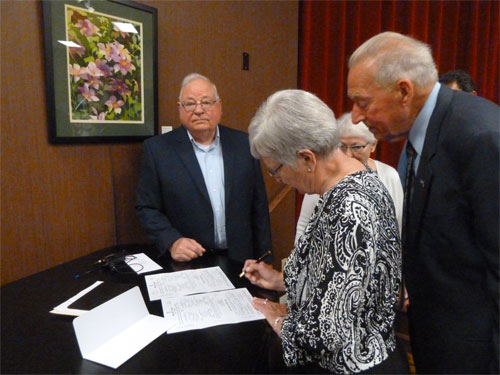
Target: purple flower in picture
{"type": "Point", "coordinates": [114, 105]}
{"type": "Point", "coordinates": [103, 67]}
{"type": "Point", "coordinates": [78, 72]}
{"type": "Point", "coordinates": [94, 82]}
{"type": "Point", "coordinates": [88, 93]}
{"type": "Point", "coordinates": [105, 50]}
{"type": "Point", "coordinates": [124, 65]}
{"type": "Point", "coordinates": [98, 116]}
{"type": "Point", "coordinates": [93, 75]}
{"type": "Point", "coordinates": [117, 50]}
{"type": "Point", "coordinates": [119, 86]}
{"type": "Point", "coordinates": [94, 70]}
{"type": "Point", "coordinates": [87, 28]}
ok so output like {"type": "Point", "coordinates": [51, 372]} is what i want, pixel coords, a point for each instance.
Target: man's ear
{"type": "Point", "coordinates": [405, 91]}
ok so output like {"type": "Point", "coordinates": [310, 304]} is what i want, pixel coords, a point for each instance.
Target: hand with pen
{"type": "Point", "coordinates": [265, 276]}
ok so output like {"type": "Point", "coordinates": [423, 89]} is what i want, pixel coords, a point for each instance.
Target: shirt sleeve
{"type": "Point", "coordinates": [306, 210]}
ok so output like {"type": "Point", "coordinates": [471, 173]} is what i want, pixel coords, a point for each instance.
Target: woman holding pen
{"type": "Point", "coordinates": [343, 276]}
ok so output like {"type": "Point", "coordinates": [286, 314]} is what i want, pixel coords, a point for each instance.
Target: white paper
{"type": "Point", "coordinates": [209, 309]}
{"type": "Point", "coordinates": [63, 309]}
{"type": "Point", "coordinates": [183, 283]}
{"type": "Point", "coordinates": [113, 332]}
{"type": "Point", "coordinates": [148, 265]}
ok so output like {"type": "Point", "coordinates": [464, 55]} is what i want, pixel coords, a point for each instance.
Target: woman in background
{"type": "Point", "coordinates": [357, 141]}
{"type": "Point", "coordinates": [342, 277]}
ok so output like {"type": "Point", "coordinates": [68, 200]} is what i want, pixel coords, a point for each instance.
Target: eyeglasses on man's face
{"type": "Point", "coordinates": [206, 104]}
{"type": "Point", "coordinates": [354, 148]}
{"type": "Point", "coordinates": [274, 172]}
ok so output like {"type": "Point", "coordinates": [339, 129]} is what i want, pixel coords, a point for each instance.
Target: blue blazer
{"type": "Point", "coordinates": [451, 264]}
{"type": "Point", "coordinates": [172, 200]}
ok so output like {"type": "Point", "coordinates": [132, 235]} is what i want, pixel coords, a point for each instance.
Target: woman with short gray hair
{"type": "Point", "coordinates": [291, 121]}
{"type": "Point", "coordinates": [343, 276]}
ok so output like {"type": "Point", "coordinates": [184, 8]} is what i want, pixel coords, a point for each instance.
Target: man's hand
{"type": "Point", "coordinates": [185, 249]}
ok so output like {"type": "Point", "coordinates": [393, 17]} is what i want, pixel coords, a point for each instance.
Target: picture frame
{"type": "Point", "coordinates": [100, 71]}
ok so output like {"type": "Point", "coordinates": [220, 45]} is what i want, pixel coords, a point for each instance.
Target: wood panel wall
{"type": "Point", "coordinates": [61, 202]}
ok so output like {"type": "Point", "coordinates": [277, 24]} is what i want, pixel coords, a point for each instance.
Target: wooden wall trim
{"type": "Point", "coordinates": [279, 197]}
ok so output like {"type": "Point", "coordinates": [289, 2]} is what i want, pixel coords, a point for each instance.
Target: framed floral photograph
{"type": "Point", "coordinates": [101, 71]}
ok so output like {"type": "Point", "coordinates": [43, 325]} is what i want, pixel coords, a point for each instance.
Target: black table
{"type": "Point", "coordinates": [35, 341]}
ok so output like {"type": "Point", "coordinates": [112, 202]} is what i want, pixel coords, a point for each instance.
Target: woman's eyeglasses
{"type": "Point", "coordinates": [274, 172]}
{"type": "Point", "coordinates": [353, 148]}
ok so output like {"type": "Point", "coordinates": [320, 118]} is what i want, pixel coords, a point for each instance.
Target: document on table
{"type": "Point", "coordinates": [183, 283]}
{"type": "Point", "coordinates": [145, 262]}
{"type": "Point", "coordinates": [197, 311]}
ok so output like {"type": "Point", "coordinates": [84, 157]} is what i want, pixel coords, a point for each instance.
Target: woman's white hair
{"type": "Point", "coordinates": [396, 56]}
{"type": "Point", "coordinates": [193, 76]}
{"type": "Point", "coordinates": [349, 130]}
{"type": "Point", "coordinates": [289, 121]}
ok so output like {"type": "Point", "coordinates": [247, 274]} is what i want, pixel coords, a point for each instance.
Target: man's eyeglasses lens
{"type": "Point", "coordinates": [190, 106]}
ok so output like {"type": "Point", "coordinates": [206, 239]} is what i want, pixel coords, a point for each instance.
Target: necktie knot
{"type": "Point", "coordinates": [410, 151]}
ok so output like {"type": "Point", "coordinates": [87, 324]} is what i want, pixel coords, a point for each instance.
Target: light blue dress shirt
{"type": "Point", "coordinates": [212, 167]}
{"type": "Point", "coordinates": [419, 127]}
{"type": "Point", "coordinates": [418, 131]}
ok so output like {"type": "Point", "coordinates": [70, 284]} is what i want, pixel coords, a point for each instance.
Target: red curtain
{"type": "Point", "coordinates": [463, 35]}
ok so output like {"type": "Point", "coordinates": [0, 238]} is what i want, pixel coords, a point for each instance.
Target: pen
{"type": "Point", "coordinates": [261, 258]}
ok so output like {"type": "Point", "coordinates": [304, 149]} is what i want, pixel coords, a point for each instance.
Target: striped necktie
{"type": "Point", "coordinates": [410, 159]}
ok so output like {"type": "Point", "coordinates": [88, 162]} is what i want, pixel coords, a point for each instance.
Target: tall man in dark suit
{"type": "Point", "coordinates": [451, 242]}
{"type": "Point", "coordinates": [199, 188]}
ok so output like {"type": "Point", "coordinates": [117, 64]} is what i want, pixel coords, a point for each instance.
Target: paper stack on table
{"type": "Point", "coordinates": [200, 298]}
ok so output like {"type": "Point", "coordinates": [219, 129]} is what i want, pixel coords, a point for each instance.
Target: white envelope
{"type": "Point", "coordinates": [113, 332]}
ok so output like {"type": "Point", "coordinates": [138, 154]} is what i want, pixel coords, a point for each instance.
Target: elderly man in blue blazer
{"type": "Point", "coordinates": [451, 211]}
{"type": "Point", "coordinates": [199, 188]}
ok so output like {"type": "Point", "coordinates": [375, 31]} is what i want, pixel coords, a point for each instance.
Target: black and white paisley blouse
{"type": "Point", "coordinates": [342, 280]}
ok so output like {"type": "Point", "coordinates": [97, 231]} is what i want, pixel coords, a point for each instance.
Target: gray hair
{"type": "Point", "coordinates": [396, 56]}
{"type": "Point", "coordinates": [348, 129]}
{"type": "Point", "coordinates": [193, 76]}
{"type": "Point", "coordinates": [289, 121]}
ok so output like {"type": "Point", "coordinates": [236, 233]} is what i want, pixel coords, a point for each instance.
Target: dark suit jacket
{"type": "Point", "coordinates": [172, 199]}
{"type": "Point", "coordinates": [451, 262]}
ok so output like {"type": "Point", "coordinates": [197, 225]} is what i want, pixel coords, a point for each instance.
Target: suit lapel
{"type": "Point", "coordinates": [423, 179]}
{"type": "Point", "coordinates": [186, 153]}
{"type": "Point", "coordinates": [228, 157]}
